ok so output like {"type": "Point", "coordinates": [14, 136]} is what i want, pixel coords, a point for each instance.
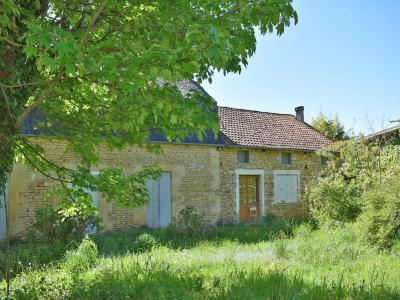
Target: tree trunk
{"type": "Point", "coordinates": [6, 164]}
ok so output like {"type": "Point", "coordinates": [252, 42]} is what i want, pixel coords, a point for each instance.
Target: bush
{"type": "Point", "coordinates": [380, 222]}
{"type": "Point", "coordinates": [49, 225]}
{"type": "Point", "coordinates": [355, 168]}
{"type": "Point", "coordinates": [335, 199]}
{"type": "Point", "coordinates": [81, 259]}
{"type": "Point", "coordinates": [145, 242]}
{"type": "Point", "coordinates": [191, 223]}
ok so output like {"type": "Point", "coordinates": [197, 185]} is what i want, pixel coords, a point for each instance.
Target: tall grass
{"type": "Point", "coordinates": [330, 263]}
{"type": "Point", "coordinates": [33, 255]}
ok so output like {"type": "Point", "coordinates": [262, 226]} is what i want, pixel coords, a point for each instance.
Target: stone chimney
{"type": "Point", "coordinates": [300, 113]}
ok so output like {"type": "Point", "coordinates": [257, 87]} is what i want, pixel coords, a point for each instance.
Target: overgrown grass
{"type": "Point", "coordinates": [33, 254]}
{"type": "Point", "coordinates": [329, 263]}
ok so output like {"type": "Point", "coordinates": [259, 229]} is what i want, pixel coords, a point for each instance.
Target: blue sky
{"type": "Point", "coordinates": [342, 58]}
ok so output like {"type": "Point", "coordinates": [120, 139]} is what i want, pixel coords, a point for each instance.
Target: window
{"type": "Point", "coordinates": [324, 160]}
{"type": "Point", "coordinates": [286, 158]}
{"type": "Point", "coordinates": [93, 194]}
{"type": "Point", "coordinates": [91, 228]}
{"type": "Point", "coordinates": [286, 186]}
{"type": "Point", "coordinates": [243, 157]}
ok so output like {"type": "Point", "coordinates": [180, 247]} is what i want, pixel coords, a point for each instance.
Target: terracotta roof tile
{"type": "Point", "coordinates": [249, 128]}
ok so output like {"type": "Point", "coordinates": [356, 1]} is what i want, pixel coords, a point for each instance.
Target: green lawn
{"type": "Point", "coordinates": [323, 264]}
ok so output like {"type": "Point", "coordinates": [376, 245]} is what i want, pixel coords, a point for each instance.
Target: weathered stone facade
{"type": "Point", "coordinates": [203, 176]}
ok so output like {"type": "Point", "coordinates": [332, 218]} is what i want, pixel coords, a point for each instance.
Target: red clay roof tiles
{"type": "Point", "coordinates": [249, 128]}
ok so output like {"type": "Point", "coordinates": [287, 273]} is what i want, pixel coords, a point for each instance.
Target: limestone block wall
{"type": "Point", "coordinates": [307, 163]}
{"type": "Point", "coordinates": [195, 181]}
{"type": "Point", "coordinates": [202, 176]}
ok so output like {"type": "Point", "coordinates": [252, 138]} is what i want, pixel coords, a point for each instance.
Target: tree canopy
{"type": "Point", "coordinates": [93, 68]}
{"type": "Point", "coordinates": [331, 127]}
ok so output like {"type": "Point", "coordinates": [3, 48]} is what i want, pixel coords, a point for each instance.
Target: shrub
{"type": "Point", "coordinates": [49, 225]}
{"type": "Point", "coordinates": [356, 167]}
{"type": "Point", "coordinates": [335, 199]}
{"type": "Point", "coordinates": [145, 242]}
{"type": "Point", "coordinates": [380, 222]}
{"type": "Point", "coordinates": [81, 259]}
{"type": "Point", "coordinates": [191, 223]}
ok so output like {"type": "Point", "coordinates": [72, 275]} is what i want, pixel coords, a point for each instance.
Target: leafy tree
{"type": "Point", "coordinates": [380, 222]}
{"type": "Point", "coordinates": [354, 168]}
{"type": "Point", "coordinates": [93, 69]}
{"type": "Point", "coordinates": [331, 127]}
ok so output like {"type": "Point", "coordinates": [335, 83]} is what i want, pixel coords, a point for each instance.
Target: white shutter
{"type": "Point", "coordinates": [291, 188]}
{"type": "Point", "coordinates": [159, 206]}
{"type": "Point", "coordinates": [94, 194]}
{"type": "Point", "coordinates": [153, 208]}
{"type": "Point", "coordinates": [165, 199]}
{"type": "Point", "coordinates": [3, 198]}
{"type": "Point", "coordinates": [280, 192]}
{"type": "Point", "coordinates": [286, 186]}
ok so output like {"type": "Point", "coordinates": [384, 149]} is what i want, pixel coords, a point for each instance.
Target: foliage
{"type": "Point", "coordinates": [192, 223]}
{"type": "Point", "coordinates": [50, 225]}
{"type": "Point", "coordinates": [335, 199]}
{"type": "Point", "coordinates": [145, 242]}
{"type": "Point", "coordinates": [310, 269]}
{"type": "Point", "coordinates": [81, 259]}
{"type": "Point", "coordinates": [331, 127]}
{"type": "Point", "coordinates": [35, 254]}
{"type": "Point", "coordinates": [103, 73]}
{"type": "Point", "coordinates": [353, 168]}
{"type": "Point", "coordinates": [380, 222]}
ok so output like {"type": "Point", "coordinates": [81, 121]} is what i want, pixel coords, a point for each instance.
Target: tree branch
{"type": "Point", "coordinates": [20, 85]}
{"type": "Point", "coordinates": [2, 38]}
{"type": "Point", "coordinates": [51, 87]}
{"type": "Point", "coordinates": [39, 169]}
{"type": "Point", "coordinates": [93, 22]}
{"type": "Point", "coordinates": [37, 102]}
{"type": "Point", "coordinates": [7, 103]}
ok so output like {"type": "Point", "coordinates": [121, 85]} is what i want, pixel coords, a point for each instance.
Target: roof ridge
{"type": "Point", "coordinates": [383, 131]}
{"type": "Point", "coordinates": [256, 111]}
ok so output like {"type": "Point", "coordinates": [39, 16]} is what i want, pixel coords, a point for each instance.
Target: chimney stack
{"type": "Point", "coordinates": [300, 113]}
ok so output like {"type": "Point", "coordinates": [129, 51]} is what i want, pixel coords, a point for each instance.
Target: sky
{"type": "Point", "coordinates": [341, 59]}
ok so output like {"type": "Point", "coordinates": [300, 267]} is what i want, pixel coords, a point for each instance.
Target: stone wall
{"type": "Point", "coordinates": [307, 163]}
{"type": "Point", "coordinates": [195, 180]}
{"type": "Point", "coordinates": [202, 176]}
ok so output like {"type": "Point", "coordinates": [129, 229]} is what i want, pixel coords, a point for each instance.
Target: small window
{"type": "Point", "coordinates": [324, 160]}
{"type": "Point", "coordinates": [286, 158]}
{"type": "Point", "coordinates": [243, 157]}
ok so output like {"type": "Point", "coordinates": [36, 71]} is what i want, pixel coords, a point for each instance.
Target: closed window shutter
{"type": "Point", "coordinates": [286, 188]}
{"type": "Point", "coordinates": [280, 188]}
{"type": "Point", "coordinates": [3, 199]}
{"type": "Point", "coordinates": [291, 191]}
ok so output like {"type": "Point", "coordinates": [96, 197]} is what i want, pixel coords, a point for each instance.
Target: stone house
{"type": "Point", "coordinates": [259, 164]}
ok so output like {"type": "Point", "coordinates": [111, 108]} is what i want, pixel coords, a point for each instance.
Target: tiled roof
{"type": "Point", "coordinates": [239, 127]}
{"type": "Point", "coordinates": [250, 128]}
{"type": "Point", "coordinates": [388, 131]}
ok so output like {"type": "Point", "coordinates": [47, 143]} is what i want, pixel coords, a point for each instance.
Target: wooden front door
{"type": "Point", "coordinates": [249, 198]}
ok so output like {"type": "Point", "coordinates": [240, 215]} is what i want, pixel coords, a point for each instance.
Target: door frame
{"type": "Point", "coordinates": [261, 195]}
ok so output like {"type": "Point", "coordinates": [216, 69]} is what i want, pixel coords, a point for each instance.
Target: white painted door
{"type": "Point", "coordinates": [3, 213]}
{"type": "Point", "coordinates": [159, 207]}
